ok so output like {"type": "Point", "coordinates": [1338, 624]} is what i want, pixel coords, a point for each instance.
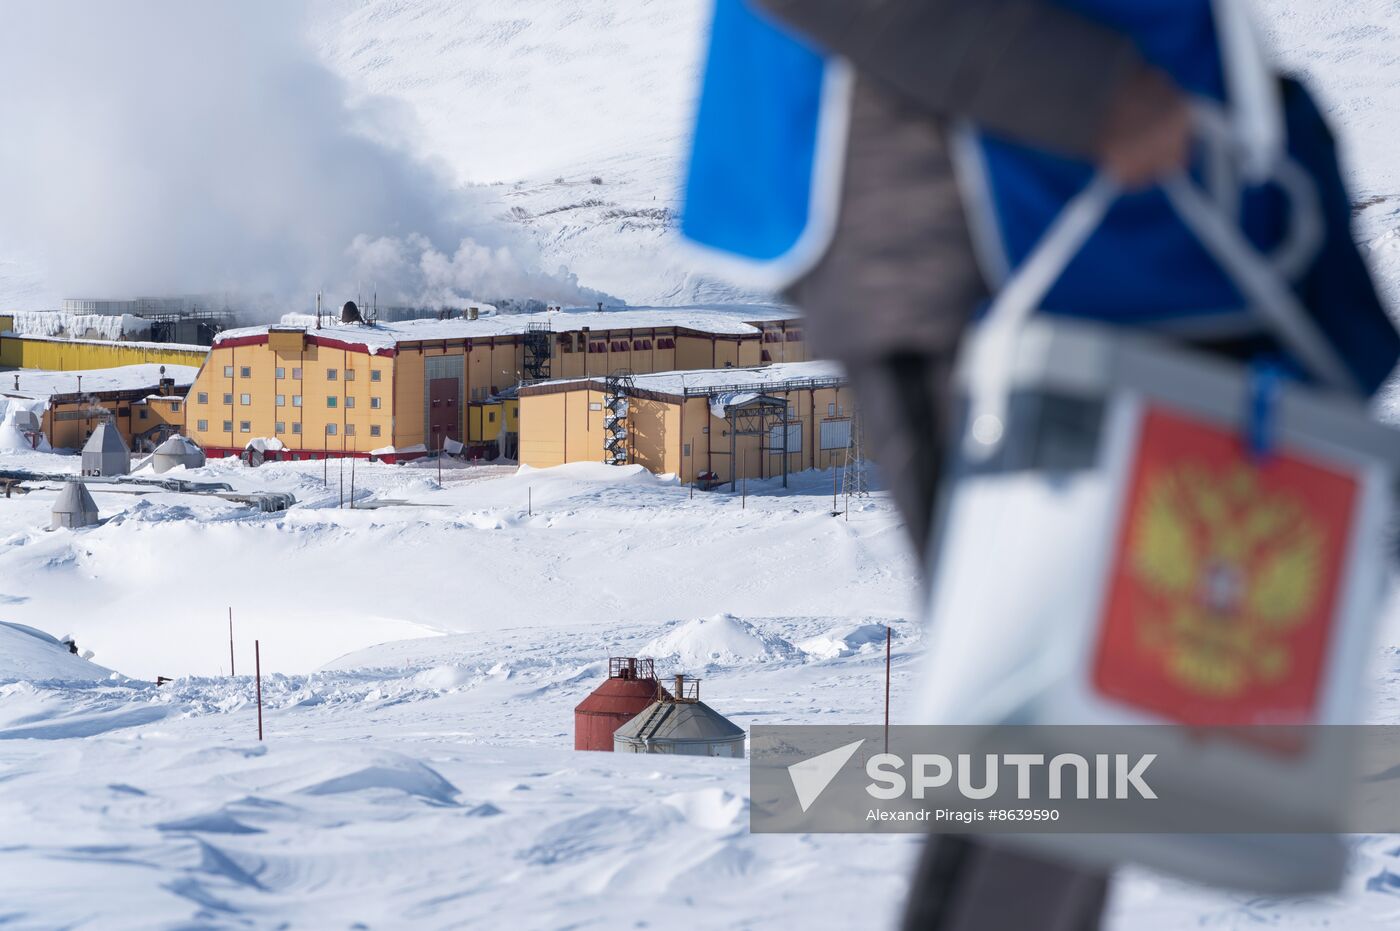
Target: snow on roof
{"type": "Point", "coordinates": [719, 319]}
{"type": "Point", "coordinates": [775, 376]}
{"type": "Point", "coordinates": [40, 384]}
{"type": "Point", "coordinates": [120, 343]}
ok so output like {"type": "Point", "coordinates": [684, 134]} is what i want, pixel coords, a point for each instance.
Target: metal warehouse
{"type": "Point", "coordinates": [710, 426]}
{"type": "Point", "coordinates": [403, 388]}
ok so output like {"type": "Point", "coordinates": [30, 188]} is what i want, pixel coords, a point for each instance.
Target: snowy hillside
{"type": "Point", "coordinates": [529, 102]}
{"type": "Point", "coordinates": [544, 89]}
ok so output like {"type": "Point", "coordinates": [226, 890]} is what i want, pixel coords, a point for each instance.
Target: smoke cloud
{"type": "Point", "coordinates": [166, 147]}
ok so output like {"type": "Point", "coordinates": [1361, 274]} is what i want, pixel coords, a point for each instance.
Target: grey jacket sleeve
{"type": "Point", "coordinates": [1024, 69]}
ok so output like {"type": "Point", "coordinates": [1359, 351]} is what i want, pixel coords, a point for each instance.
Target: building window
{"type": "Point", "coordinates": [228, 371]}
{"type": "Point", "coordinates": [245, 426]}
{"type": "Point", "coordinates": [281, 400]}
{"type": "Point", "coordinates": [245, 372]}
{"type": "Point", "coordinates": [296, 373]}
{"type": "Point", "coordinates": [490, 416]}
{"type": "Point", "coordinates": [374, 375]}
{"type": "Point", "coordinates": [831, 410]}
{"type": "Point", "coordinates": [349, 401]}
{"type": "Point", "coordinates": [349, 374]}
{"type": "Point", "coordinates": [280, 427]}
{"type": "Point", "coordinates": [202, 426]}
{"type": "Point", "coordinates": [349, 429]}
{"type": "Point", "coordinates": [595, 405]}
{"type": "Point", "coordinates": [296, 428]}
{"type": "Point", "coordinates": [374, 404]}
{"type": "Point", "coordinates": [374, 429]}
{"type": "Point", "coordinates": [332, 401]}
{"type": "Point", "coordinates": [143, 414]}
{"type": "Point", "coordinates": [228, 399]}
{"type": "Point", "coordinates": [666, 342]}
{"type": "Point", "coordinates": [794, 336]}
{"type": "Point", "coordinates": [296, 400]}
{"type": "Point", "coordinates": [228, 426]}
{"type": "Point", "coordinates": [245, 399]}
{"type": "Point", "coordinates": [174, 407]}
{"type": "Point", "coordinates": [330, 429]}
{"type": "Point", "coordinates": [202, 397]}
{"type": "Point", "coordinates": [685, 450]}
{"type": "Point", "coordinates": [330, 374]}
{"type": "Point", "coordinates": [281, 372]}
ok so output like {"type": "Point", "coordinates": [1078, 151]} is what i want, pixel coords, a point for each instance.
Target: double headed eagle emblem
{"type": "Point", "coordinates": [1228, 569]}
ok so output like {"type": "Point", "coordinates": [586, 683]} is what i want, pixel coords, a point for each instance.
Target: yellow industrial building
{"type": "Point", "coordinates": [75, 355]}
{"type": "Point", "coordinates": [144, 402]}
{"type": "Point", "coordinates": [401, 389]}
{"type": "Point", "coordinates": [708, 426]}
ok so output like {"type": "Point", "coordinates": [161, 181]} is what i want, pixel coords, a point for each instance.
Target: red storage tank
{"type": "Point", "coordinates": [630, 687]}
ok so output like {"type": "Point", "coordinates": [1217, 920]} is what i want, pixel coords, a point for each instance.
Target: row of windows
{"type": "Point", "coordinates": [246, 371]}
{"type": "Point", "coordinates": [246, 426]}
{"type": "Point", "coordinates": [245, 400]}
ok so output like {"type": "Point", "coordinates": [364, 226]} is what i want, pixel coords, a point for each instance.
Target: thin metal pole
{"type": "Point", "coordinates": [834, 477]}
{"type": "Point", "coordinates": [325, 472]}
{"type": "Point", "coordinates": [888, 637]}
{"type": "Point", "coordinates": [530, 500]}
{"type": "Point", "coordinates": [230, 642]}
{"type": "Point", "coordinates": [342, 481]}
{"type": "Point", "coordinates": [257, 664]}
{"type": "Point", "coordinates": [352, 484]}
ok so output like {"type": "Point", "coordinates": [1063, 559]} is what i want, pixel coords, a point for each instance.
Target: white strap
{"type": "Point", "coordinates": [991, 347]}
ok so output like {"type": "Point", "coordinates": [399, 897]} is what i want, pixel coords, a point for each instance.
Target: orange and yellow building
{"type": "Point", "coordinates": [708, 426]}
{"type": "Point", "coordinates": [401, 389]}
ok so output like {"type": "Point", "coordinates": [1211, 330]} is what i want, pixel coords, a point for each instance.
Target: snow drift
{"type": "Point", "coordinates": [719, 640]}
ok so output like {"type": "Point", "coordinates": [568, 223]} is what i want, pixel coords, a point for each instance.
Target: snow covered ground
{"type": "Point", "coordinates": [421, 664]}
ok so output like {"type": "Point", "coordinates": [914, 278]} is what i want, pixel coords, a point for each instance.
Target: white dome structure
{"type": "Point", "coordinates": [177, 451]}
{"type": "Point", "coordinates": [74, 508]}
{"type": "Point", "coordinates": [106, 453]}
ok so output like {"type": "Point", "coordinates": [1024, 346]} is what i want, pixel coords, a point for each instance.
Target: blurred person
{"type": "Point", "coordinates": [1030, 72]}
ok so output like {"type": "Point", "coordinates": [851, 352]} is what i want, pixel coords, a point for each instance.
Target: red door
{"type": "Point", "coordinates": [444, 411]}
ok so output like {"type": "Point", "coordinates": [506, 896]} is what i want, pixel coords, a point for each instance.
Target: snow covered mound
{"type": "Point", "coordinates": [719, 640]}
{"type": "Point", "coordinates": [30, 655]}
{"type": "Point", "coordinates": [844, 641]}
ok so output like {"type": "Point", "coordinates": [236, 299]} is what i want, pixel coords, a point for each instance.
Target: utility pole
{"type": "Point", "coordinates": [257, 667]}
{"type": "Point", "coordinates": [888, 637]}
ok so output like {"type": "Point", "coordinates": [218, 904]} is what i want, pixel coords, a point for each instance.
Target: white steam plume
{"type": "Point", "coordinates": [177, 147]}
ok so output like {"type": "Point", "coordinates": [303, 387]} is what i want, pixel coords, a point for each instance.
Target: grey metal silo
{"type": "Point", "coordinates": [74, 508]}
{"type": "Point", "coordinates": [105, 452]}
{"type": "Point", "coordinates": [681, 724]}
{"type": "Point", "coordinates": [177, 451]}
